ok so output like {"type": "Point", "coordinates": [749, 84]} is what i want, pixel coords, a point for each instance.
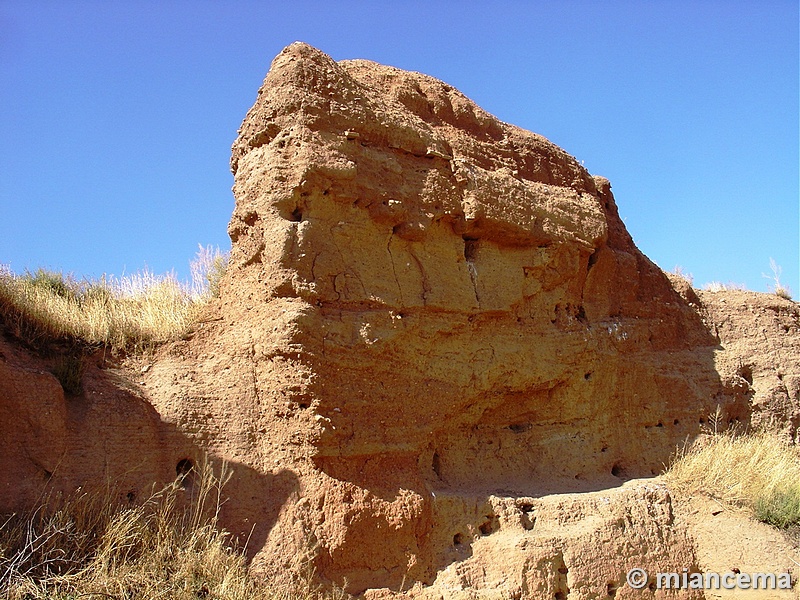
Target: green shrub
{"type": "Point", "coordinates": [780, 508]}
{"type": "Point", "coordinates": [53, 282]}
{"type": "Point", "coordinates": [208, 268]}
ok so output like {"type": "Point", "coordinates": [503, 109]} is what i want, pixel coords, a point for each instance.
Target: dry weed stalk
{"type": "Point", "coordinates": [170, 546]}
{"type": "Point", "coordinates": [777, 287]}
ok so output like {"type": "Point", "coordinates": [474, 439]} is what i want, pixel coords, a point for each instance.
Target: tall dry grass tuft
{"type": "Point", "coordinates": [777, 287]}
{"type": "Point", "coordinates": [208, 268]}
{"type": "Point", "coordinates": [130, 313]}
{"type": "Point", "coordinates": [92, 545]}
{"type": "Point", "coordinates": [754, 470]}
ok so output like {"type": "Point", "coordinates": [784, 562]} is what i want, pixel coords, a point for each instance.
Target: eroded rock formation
{"type": "Point", "coordinates": [451, 309]}
{"type": "Point", "coordinates": [434, 327]}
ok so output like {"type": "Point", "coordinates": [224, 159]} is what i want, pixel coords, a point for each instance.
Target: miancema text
{"type": "Point", "coordinates": [728, 581]}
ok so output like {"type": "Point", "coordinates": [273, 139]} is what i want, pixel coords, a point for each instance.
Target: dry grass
{"type": "Point", "coordinates": [777, 287]}
{"type": "Point", "coordinates": [131, 313]}
{"type": "Point", "coordinates": [208, 268]}
{"type": "Point", "coordinates": [718, 286]}
{"type": "Point", "coordinates": [754, 470]}
{"type": "Point", "coordinates": [680, 273]}
{"type": "Point", "coordinates": [90, 546]}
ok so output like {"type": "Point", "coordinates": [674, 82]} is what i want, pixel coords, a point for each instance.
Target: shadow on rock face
{"type": "Point", "coordinates": [110, 437]}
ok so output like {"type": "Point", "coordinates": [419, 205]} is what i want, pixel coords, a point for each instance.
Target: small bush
{"type": "Point", "coordinates": [53, 282]}
{"type": "Point", "coordinates": [780, 508]}
{"type": "Point", "coordinates": [680, 273]}
{"type": "Point", "coordinates": [718, 286]}
{"type": "Point", "coordinates": [777, 287]}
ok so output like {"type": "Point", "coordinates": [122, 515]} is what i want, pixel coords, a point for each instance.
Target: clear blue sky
{"type": "Point", "coordinates": [116, 118]}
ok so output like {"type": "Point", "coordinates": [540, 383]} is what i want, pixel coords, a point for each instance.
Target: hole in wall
{"type": "Point", "coordinates": [746, 373]}
{"type": "Point", "coordinates": [519, 427]}
{"type": "Point", "coordinates": [618, 470]}
{"type": "Point", "coordinates": [581, 314]}
{"type": "Point", "coordinates": [587, 376]}
{"type": "Point", "coordinates": [489, 526]}
{"type": "Point", "coordinates": [592, 260]}
{"type": "Point", "coordinates": [528, 519]}
{"type": "Point", "coordinates": [470, 248]}
{"type": "Point", "coordinates": [297, 215]}
{"type": "Point", "coordinates": [458, 539]}
{"type": "Point", "coordinates": [183, 470]}
{"type": "Point", "coordinates": [436, 465]}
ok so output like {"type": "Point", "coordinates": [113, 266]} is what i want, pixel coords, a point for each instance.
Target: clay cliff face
{"type": "Point", "coordinates": [434, 325]}
{"type": "Point", "coordinates": [451, 308]}
{"type": "Point", "coordinates": [464, 282]}
{"type": "Point", "coordinates": [431, 320]}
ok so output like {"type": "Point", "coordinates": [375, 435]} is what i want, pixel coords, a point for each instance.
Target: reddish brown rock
{"type": "Point", "coordinates": [436, 353]}
{"type": "Point", "coordinates": [435, 304]}
{"type": "Point", "coordinates": [759, 354]}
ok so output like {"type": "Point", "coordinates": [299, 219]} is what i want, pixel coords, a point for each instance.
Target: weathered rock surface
{"type": "Point", "coordinates": [451, 308]}
{"type": "Point", "coordinates": [438, 353]}
{"type": "Point", "coordinates": [760, 352]}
